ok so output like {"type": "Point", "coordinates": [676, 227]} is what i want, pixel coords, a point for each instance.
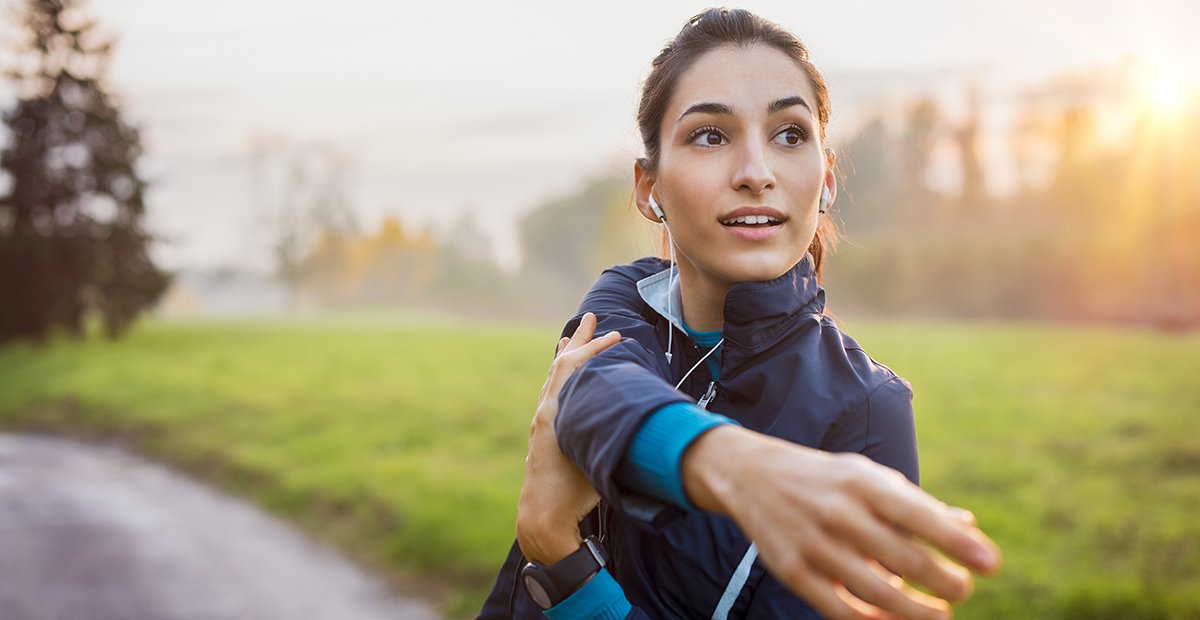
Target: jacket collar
{"type": "Point", "coordinates": [657, 289]}
{"type": "Point", "coordinates": [757, 314]}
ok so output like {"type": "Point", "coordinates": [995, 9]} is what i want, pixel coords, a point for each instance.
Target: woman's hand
{"type": "Point", "coordinates": [837, 529]}
{"type": "Point", "coordinates": [555, 496]}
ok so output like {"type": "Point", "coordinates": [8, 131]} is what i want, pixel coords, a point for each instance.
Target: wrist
{"type": "Point", "coordinates": [729, 461]}
{"type": "Point", "coordinates": [710, 466]}
{"type": "Point", "coordinates": [553, 551]}
{"type": "Point", "coordinates": [547, 543]}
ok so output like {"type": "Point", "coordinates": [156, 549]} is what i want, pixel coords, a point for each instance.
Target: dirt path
{"type": "Point", "coordinates": [95, 533]}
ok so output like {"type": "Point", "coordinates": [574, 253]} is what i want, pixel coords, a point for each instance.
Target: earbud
{"type": "Point", "coordinates": [824, 199]}
{"type": "Point", "coordinates": [657, 210]}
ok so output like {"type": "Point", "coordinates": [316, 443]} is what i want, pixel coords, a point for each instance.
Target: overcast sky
{"type": "Point", "coordinates": [493, 107]}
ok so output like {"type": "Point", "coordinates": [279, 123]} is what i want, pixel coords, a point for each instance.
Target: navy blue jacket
{"type": "Point", "coordinates": [786, 371]}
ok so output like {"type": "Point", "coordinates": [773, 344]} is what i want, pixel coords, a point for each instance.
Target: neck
{"type": "Point", "coordinates": [703, 298]}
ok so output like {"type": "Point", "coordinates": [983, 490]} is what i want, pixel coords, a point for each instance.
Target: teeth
{"type": "Point", "coordinates": [751, 219]}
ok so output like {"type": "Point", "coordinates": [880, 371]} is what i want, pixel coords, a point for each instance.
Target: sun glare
{"type": "Point", "coordinates": [1165, 91]}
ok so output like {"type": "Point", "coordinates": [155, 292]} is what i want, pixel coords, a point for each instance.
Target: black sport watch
{"type": "Point", "coordinates": [549, 585]}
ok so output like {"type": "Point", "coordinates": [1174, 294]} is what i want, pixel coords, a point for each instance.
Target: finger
{"type": "Point", "coordinates": [924, 516]}
{"type": "Point", "coordinates": [860, 606]}
{"type": "Point", "coordinates": [562, 343]}
{"type": "Point", "coordinates": [568, 362]}
{"type": "Point", "coordinates": [900, 585]}
{"type": "Point", "coordinates": [964, 515]}
{"type": "Point", "coordinates": [832, 600]}
{"type": "Point", "coordinates": [896, 581]}
{"type": "Point", "coordinates": [859, 576]}
{"type": "Point", "coordinates": [575, 358]}
{"type": "Point", "coordinates": [904, 556]}
{"type": "Point", "coordinates": [583, 332]}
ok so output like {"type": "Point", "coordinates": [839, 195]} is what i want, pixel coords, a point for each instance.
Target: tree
{"type": "Point", "coordinates": [302, 197]}
{"type": "Point", "coordinates": [972, 197]}
{"type": "Point", "coordinates": [568, 241]}
{"type": "Point", "coordinates": [867, 193]}
{"type": "Point", "coordinates": [923, 123]}
{"type": "Point", "coordinates": [72, 239]}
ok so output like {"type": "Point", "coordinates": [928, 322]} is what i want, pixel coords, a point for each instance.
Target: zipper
{"type": "Point", "coordinates": [709, 395]}
{"type": "Point", "coordinates": [603, 537]}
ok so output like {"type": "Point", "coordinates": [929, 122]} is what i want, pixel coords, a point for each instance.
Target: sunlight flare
{"type": "Point", "coordinates": [1165, 91]}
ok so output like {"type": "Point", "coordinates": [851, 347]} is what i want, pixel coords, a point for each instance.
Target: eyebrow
{"type": "Point", "coordinates": [709, 107]}
{"type": "Point", "coordinates": [788, 102]}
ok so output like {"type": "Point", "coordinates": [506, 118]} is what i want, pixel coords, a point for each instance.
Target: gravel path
{"type": "Point", "coordinates": [94, 533]}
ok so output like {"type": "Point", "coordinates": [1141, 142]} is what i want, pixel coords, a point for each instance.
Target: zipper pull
{"type": "Point", "coordinates": [709, 395]}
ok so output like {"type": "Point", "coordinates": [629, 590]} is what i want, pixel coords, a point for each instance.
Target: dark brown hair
{"type": "Point", "coordinates": [709, 30]}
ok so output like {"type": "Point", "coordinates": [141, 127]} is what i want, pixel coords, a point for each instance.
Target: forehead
{"type": "Point", "coordinates": [746, 78]}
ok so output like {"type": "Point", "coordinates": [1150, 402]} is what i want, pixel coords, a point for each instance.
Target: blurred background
{"type": "Point", "coordinates": [339, 241]}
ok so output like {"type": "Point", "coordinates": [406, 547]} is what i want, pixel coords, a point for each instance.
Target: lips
{"type": "Point", "coordinates": [753, 223]}
{"type": "Point", "coordinates": [751, 220]}
{"type": "Point", "coordinates": [753, 216]}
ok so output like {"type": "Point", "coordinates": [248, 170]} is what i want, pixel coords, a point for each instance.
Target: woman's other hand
{"type": "Point", "coordinates": [838, 528]}
{"type": "Point", "coordinates": [554, 495]}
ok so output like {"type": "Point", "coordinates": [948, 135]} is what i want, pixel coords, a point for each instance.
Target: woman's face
{"type": "Point", "coordinates": [740, 138]}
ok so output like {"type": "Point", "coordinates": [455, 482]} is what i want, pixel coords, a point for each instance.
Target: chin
{"type": "Point", "coordinates": [758, 268]}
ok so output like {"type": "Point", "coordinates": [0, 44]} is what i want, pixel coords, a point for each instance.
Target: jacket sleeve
{"type": "Point", "coordinates": [882, 428]}
{"type": "Point", "coordinates": [604, 403]}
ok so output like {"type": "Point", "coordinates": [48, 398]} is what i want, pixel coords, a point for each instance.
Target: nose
{"type": "Point", "coordinates": [753, 171]}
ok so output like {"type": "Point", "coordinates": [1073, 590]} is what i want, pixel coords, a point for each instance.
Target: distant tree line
{"type": "Point", "coordinates": [565, 244]}
{"type": "Point", "coordinates": [1099, 225]}
{"type": "Point", "coordinates": [1103, 224]}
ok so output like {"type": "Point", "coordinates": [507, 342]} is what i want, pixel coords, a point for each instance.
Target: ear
{"type": "Point", "coordinates": [830, 175]}
{"type": "Point", "coordinates": [643, 183]}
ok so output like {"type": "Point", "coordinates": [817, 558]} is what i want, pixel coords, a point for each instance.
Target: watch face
{"type": "Point", "coordinates": [537, 592]}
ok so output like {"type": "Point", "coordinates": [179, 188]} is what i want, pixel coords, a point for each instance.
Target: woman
{"type": "Point", "coordinates": [732, 118]}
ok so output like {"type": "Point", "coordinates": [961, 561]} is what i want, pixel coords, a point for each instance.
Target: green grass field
{"type": "Point", "coordinates": [1078, 449]}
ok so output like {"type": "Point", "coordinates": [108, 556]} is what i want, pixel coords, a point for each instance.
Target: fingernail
{"type": "Point", "coordinates": [962, 514]}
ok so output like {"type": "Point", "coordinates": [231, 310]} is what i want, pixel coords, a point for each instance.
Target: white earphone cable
{"type": "Point", "coordinates": [670, 293]}
{"type": "Point", "coordinates": [701, 361]}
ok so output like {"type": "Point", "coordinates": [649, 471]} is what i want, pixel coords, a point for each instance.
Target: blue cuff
{"type": "Point", "coordinates": [652, 464]}
{"type": "Point", "coordinates": [601, 598]}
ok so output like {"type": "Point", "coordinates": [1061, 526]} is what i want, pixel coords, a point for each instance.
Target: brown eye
{"type": "Point", "coordinates": [707, 136]}
{"type": "Point", "coordinates": [792, 136]}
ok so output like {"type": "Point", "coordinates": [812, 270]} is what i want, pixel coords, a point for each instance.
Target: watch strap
{"type": "Point", "coordinates": [570, 573]}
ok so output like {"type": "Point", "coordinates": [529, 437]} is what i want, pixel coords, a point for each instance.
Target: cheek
{"type": "Point", "coordinates": [689, 195]}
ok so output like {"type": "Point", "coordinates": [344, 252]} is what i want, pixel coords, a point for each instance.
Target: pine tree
{"type": "Point", "coordinates": [72, 239]}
